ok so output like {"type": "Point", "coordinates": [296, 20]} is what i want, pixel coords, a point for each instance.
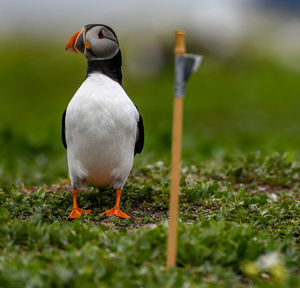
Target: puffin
{"type": "Point", "coordinates": [102, 128]}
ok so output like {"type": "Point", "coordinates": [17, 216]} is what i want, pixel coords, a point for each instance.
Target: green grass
{"type": "Point", "coordinates": [239, 197]}
{"type": "Point", "coordinates": [236, 230]}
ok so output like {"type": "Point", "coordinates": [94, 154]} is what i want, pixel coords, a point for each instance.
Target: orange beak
{"type": "Point", "coordinates": [71, 46]}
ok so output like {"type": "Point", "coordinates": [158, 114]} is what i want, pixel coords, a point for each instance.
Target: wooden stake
{"type": "Point", "coordinates": [176, 155]}
{"type": "Point", "coordinates": [179, 43]}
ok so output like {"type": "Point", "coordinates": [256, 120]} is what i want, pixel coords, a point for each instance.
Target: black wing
{"type": "Point", "coordinates": [63, 128]}
{"type": "Point", "coordinates": [139, 144]}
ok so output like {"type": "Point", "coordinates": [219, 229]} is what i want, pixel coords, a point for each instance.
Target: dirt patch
{"type": "Point", "coordinates": [139, 216]}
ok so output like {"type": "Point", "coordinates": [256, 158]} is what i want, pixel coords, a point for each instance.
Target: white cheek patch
{"type": "Point", "coordinates": [100, 49]}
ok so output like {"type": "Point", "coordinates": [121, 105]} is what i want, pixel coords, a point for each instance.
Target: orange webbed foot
{"type": "Point", "coordinates": [117, 212]}
{"type": "Point", "coordinates": [76, 213]}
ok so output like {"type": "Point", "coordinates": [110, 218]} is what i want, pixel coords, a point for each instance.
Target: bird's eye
{"type": "Point", "coordinates": [101, 35]}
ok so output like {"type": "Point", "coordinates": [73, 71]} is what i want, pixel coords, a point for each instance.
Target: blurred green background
{"type": "Point", "coordinates": [244, 98]}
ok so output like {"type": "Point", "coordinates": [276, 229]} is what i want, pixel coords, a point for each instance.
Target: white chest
{"type": "Point", "coordinates": [101, 128]}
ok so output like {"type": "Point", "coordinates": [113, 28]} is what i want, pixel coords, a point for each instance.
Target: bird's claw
{"type": "Point", "coordinates": [76, 213]}
{"type": "Point", "coordinates": [117, 212]}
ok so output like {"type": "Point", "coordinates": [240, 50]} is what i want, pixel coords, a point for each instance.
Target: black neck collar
{"type": "Point", "coordinates": [110, 67]}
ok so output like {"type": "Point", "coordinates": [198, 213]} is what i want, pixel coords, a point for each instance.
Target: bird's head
{"type": "Point", "coordinates": [95, 41]}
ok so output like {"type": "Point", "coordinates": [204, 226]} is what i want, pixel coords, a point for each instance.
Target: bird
{"type": "Point", "coordinates": [102, 128]}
